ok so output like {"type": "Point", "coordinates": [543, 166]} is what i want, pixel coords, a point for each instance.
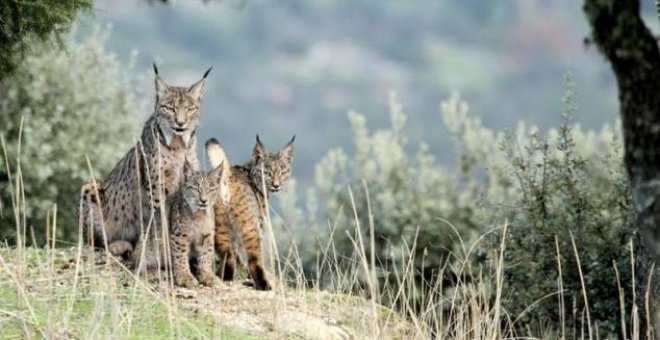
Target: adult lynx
{"type": "Point", "coordinates": [115, 211]}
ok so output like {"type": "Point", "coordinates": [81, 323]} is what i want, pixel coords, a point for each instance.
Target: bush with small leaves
{"type": "Point", "coordinates": [570, 230]}
{"type": "Point", "coordinates": [563, 195]}
{"type": "Point", "coordinates": [60, 107]}
{"type": "Point", "coordinates": [411, 202]}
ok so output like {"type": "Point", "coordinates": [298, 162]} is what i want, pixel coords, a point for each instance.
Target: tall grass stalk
{"type": "Point", "coordinates": [584, 288]}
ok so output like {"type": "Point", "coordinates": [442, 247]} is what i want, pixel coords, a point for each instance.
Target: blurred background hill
{"type": "Point", "coordinates": [296, 67]}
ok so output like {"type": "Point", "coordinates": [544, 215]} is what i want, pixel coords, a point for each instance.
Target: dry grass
{"type": "Point", "coordinates": [79, 292]}
{"type": "Point", "coordinates": [71, 294]}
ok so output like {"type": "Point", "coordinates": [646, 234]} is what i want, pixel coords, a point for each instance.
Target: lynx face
{"type": "Point", "coordinates": [201, 190]}
{"type": "Point", "coordinates": [177, 108]}
{"type": "Point", "coordinates": [276, 167]}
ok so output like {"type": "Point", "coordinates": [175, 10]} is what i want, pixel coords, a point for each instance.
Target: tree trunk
{"type": "Point", "coordinates": [631, 49]}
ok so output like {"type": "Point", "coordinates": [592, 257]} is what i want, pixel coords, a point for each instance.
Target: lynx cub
{"type": "Point", "coordinates": [190, 229]}
{"type": "Point", "coordinates": [128, 200]}
{"type": "Point", "coordinates": [246, 209]}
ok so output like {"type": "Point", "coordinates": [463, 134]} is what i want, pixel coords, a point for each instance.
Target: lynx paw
{"type": "Point", "coordinates": [207, 279]}
{"type": "Point", "coordinates": [120, 248]}
{"type": "Point", "coordinates": [187, 281]}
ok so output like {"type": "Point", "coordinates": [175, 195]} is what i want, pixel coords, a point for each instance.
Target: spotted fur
{"type": "Point", "coordinates": [246, 209]}
{"type": "Point", "coordinates": [129, 201]}
{"type": "Point", "coordinates": [190, 231]}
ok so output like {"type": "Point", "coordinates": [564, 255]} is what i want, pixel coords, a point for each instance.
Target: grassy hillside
{"type": "Point", "coordinates": [77, 293]}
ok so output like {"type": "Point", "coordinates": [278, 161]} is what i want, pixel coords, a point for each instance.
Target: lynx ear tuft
{"type": "Point", "coordinates": [259, 150]}
{"type": "Point", "coordinates": [197, 89]}
{"type": "Point", "coordinates": [207, 72]}
{"type": "Point", "coordinates": [161, 87]}
{"type": "Point", "coordinates": [287, 151]}
{"type": "Point", "coordinates": [217, 172]}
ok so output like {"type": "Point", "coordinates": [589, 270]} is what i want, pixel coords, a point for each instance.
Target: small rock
{"type": "Point", "coordinates": [186, 293]}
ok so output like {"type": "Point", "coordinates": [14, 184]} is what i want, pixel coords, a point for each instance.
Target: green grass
{"type": "Point", "coordinates": [103, 304]}
{"type": "Point", "coordinates": [79, 293]}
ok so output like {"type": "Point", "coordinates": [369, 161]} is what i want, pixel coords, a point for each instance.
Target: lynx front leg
{"type": "Point", "coordinates": [251, 237]}
{"type": "Point", "coordinates": [206, 256]}
{"type": "Point", "coordinates": [191, 153]}
{"type": "Point", "coordinates": [180, 261]}
{"type": "Point", "coordinates": [223, 245]}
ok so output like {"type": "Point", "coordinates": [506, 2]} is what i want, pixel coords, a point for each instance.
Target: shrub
{"type": "Point", "coordinates": [72, 103]}
{"type": "Point", "coordinates": [573, 205]}
{"type": "Point", "coordinates": [567, 184]}
{"type": "Point", "coordinates": [409, 196]}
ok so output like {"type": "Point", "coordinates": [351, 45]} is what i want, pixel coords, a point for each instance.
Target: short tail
{"type": "Point", "coordinates": [217, 155]}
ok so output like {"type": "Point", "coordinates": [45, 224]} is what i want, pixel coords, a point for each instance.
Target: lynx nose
{"type": "Point", "coordinates": [179, 119]}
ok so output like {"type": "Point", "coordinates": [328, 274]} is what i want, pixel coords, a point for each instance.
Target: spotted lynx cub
{"type": "Point", "coordinates": [190, 228]}
{"type": "Point", "coordinates": [246, 209]}
{"type": "Point", "coordinates": [128, 200]}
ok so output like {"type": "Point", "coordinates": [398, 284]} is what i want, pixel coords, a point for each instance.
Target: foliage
{"type": "Point", "coordinates": [572, 205]}
{"type": "Point", "coordinates": [74, 103]}
{"type": "Point", "coordinates": [412, 200]}
{"type": "Point", "coordinates": [23, 22]}
{"type": "Point", "coordinates": [567, 184]}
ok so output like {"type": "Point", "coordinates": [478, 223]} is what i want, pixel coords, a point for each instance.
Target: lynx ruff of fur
{"type": "Point", "coordinates": [191, 224]}
{"type": "Point", "coordinates": [115, 212]}
{"type": "Point", "coordinates": [246, 209]}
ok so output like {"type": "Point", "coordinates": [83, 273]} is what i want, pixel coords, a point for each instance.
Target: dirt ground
{"type": "Point", "coordinates": [283, 313]}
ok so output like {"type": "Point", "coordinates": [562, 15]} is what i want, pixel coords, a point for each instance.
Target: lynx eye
{"type": "Point", "coordinates": [167, 109]}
